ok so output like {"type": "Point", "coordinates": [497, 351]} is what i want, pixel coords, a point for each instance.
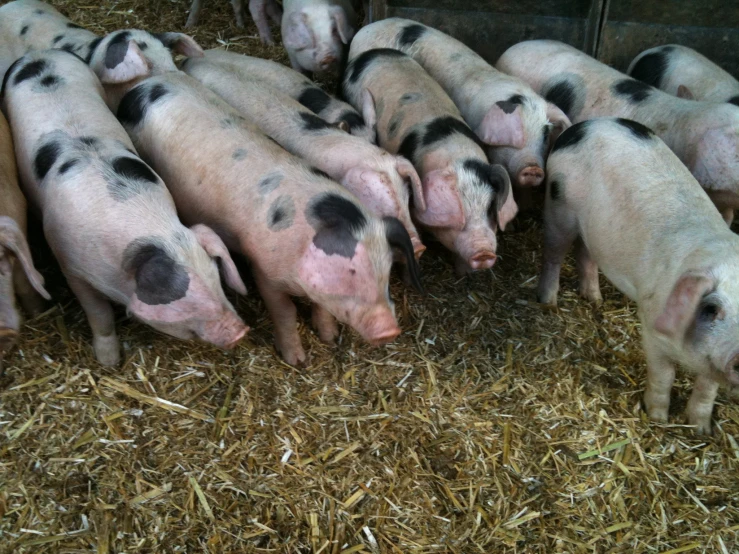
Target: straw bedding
{"type": "Point", "coordinates": [490, 425]}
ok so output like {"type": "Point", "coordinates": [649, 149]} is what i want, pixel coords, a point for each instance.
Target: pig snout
{"type": "Point", "coordinates": [328, 62]}
{"type": "Point", "coordinates": [477, 247]}
{"type": "Point", "coordinates": [225, 332]}
{"type": "Point", "coordinates": [530, 176]}
{"type": "Point", "coordinates": [732, 370]}
{"type": "Point", "coordinates": [482, 260]}
{"type": "Point", "coordinates": [379, 326]}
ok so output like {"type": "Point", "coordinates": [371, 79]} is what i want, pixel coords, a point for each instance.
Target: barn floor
{"type": "Point", "coordinates": [490, 425]}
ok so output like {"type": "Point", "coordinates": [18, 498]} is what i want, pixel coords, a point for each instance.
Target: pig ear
{"type": "Point", "coordinates": [215, 248]}
{"type": "Point", "coordinates": [399, 240]}
{"type": "Point", "coordinates": [11, 237]}
{"type": "Point", "coordinates": [342, 25]}
{"type": "Point", "coordinates": [298, 34]}
{"type": "Point", "coordinates": [680, 310]}
{"type": "Point", "coordinates": [407, 171]}
{"type": "Point", "coordinates": [181, 43]}
{"type": "Point", "coordinates": [130, 66]}
{"type": "Point", "coordinates": [443, 200]}
{"type": "Point", "coordinates": [559, 121]}
{"type": "Point", "coordinates": [685, 92]}
{"type": "Point", "coordinates": [368, 109]}
{"type": "Point", "coordinates": [502, 127]}
{"type": "Point", "coordinates": [504, 207]}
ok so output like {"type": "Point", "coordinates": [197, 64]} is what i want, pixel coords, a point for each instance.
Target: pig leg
{"type": "Point", "coordinates": [285, 318]}
{"type": "Point", "coordinates": [31, 301]}
{"type": "Point", "coordinates": [258, 10]}
{"type": "Point", "coordinates": [587, 269]}
{"type": "Point", "coordinates": [700, 405]}
{"type": "Point", "coordinates": [325, 324]}
{"type": "Point", "coordinates": [274, 11]}
{"type": "Point", "coordinates": [560, 231]}
{"type": "Point", "coordinates": [102, 322]}
{"type": "Point", "coordinates": [660, 376]}
{"type": "Point", "coordinates": [192, 19]}
{"type": "Point", "coordinates": [238, 6]}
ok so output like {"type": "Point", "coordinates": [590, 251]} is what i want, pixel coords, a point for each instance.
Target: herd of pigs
{"type": "Point", "coordinates": [323, 196]}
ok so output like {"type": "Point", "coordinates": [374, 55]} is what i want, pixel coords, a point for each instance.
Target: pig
{"type": "Point", "coordinates": [298, 87]}
{"type": "Point", "coordinates": [304, 234]}
{"type": "Point", "coordinates": [315, 32]}
{"type": "Point", "coordinates": [379, 179]}
{"type": "Point", "coordinates": [517, 124]}
{"type": "Point", "coordinates": [32, 25]}
{"type": "Point", "coordinates": [18, 276]}
{"type": "Point", "coordinates": [683, 72]}
{"type": "Point", "coordinates": [704, 135]}
{"type": "Point", "coordinates": [107, 216]}
{"type": "Point", "coordinates": [643, 219]}
{"type": "Point", "coordinates": [465, 197]}
{"type": "Point", "coordinates": [260, 11]}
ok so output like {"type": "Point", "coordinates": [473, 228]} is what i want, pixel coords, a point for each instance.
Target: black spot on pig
{"type": "Point", "coordinates": [319, 173]}
{"type": "Point", "coordinates": [50, 81]}
{"type": "Point", "coordinates": [314, 99]}
{"type": "Point", "coordinates": [336, 221]}
{"type": "Point", "coordinates": [562, 95]}
{"type": "Point", "coordinates": [46, 156]}
{"type": "Point", "coordinates": [409, 146]}
{"type": "Point", "coordinates": [571, 137]}
{"type": "Point", "coordinates": [7, 75]}
{"type": "Point", "coordinates": [398, 239]}
{"type": "Point", "coordinates": [312, 122]}
{"type": "Point", "coordinates": [269, 182]}
{"type": "Point", "coordinates": [69, 164]}
{"type": "Point", "coordinates": [24, 30]}
{"type": "Point", "coordinates": [73, 26]}
{"type": "Point", "coordinates": [545, 133]}
{"type": "Point", "coordinates": [410, 98]}
{"type": "Point", "coordinates": [132, 168]}
{"type": "Point", "coordinates": [651, 68]}
{"type": "Point", "coordinates": [88, 141]}
{"type": "Point", "coordinates": [239, 154]}
{"type": "Point", "coordinates": [496, 178]}
{"type": "Point", "coordinates": [39, 12]}
{"type": "Point", "coordinates": [116, 50]}
{"type": "Point", "coordinates": [133, 106]}
{"type": "Point", "coordinates": [142, 45]}
{"type": "Point", "coordinates": [410, 34]}
{"type": "Point", "coordinates": [506, 106]}
{"type": "Point", "coordinates": [29, 71]}
{"type": "Point", "coordinates": [395, 122]}
{"type": "Point", "coordinates": [362, 62]}
{"type": "Point", "coordinates": [637, 129]}
{"type": "Point", "coordinates": [93, 45]}
{"type": "Point", "coordinates": [281, 213]}
{"type": "Point", "coordinates": [446, 126]}
{"type": "Point", "coordinates": [555, 190]}
{"type": "Point", "coordinates": [159, 278]}
{"type": "Point", "coordinates": [634, 90]}
{"type": "Point", "coordinates": [57, 38]}
{"type": "Point", "coordinates": [734, 100]}
{"type": "Point", "coordinates": [352, 119]}
{"type": "Point", "coordinates": [68, 47]}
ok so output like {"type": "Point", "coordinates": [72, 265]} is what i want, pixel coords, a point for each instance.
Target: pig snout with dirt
{"type": "Point", "coordinates": [704, 135]}
{"type": "Point", "coordinates": [304, 234]}
{"type": "Point", "coordinates": [17, 273]}
{"type": "Point", "coordinates": [645, 221]}
{"type": "Point", "coordinates": [107, 216]}
{"type": "Point", "coordinates": [298, 87]}
{"type": "Point", "coordinates": [683, 72]}
{"type": "Point", "coordinates": [465, 198]}
{"type": "Point", "coordinates": [316, 32]}
{"type": "Point", "coordinates": [380, 180]}
{"type": "Point", "coordinates": [505, 113]}
{"type": "Point", "coordinates": [261, 11]}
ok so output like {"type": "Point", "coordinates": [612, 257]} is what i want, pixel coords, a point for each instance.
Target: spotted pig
{"type": "Point", "coordinates": [645, 221]}
{"type": "Point", "coordinates": [704, 135]}
{"type": "Point", "coordinates": [465, 198]}
{"type": "Point", "coordinates": [107, 215]}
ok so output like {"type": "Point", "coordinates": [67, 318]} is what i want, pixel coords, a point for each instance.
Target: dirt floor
{"type": "Point", "coordinates": [490, 425]}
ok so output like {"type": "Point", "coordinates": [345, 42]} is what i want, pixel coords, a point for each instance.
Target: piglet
{"type": "Point", "coordinates": [260, 11]}
{"type": "Point", "coordinates": [465, 197]}
{"type": "Point", "coordinates": [704, 135]}
{"type": "Point", "coordinates": [107, 216]}
{"type": "Point", "coordinates": [298, 87]}
{"type": "Point", "coordinates": [505, 113]}
{"type": "Point", "coordinates": [644, 219]}
{"type": "Point", "coordinates": [683, 72]}
{"type": "Point", "coordinates": [379, 179]}
{"type": "Point", "coordinates": [17, 274]}
{"type": "Point", "coordinates": [315, 32]}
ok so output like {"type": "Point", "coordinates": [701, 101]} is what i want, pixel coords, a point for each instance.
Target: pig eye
{"type": "Point", "coordinates": [709, 312]}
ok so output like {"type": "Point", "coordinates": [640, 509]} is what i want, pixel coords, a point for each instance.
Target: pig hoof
{"type": "Point", "coordinates": [591, 296]}
{"type": "Point", "coordinates": [294, 356]}
{"type": "Point", "coordinates": [658, 415]}
{"type": "Point", "coordinates": [703, 428]}
{"type": "Point", "coordinates": [107, 350]}
{"type": "Point", "coordinates": [547, 298]}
